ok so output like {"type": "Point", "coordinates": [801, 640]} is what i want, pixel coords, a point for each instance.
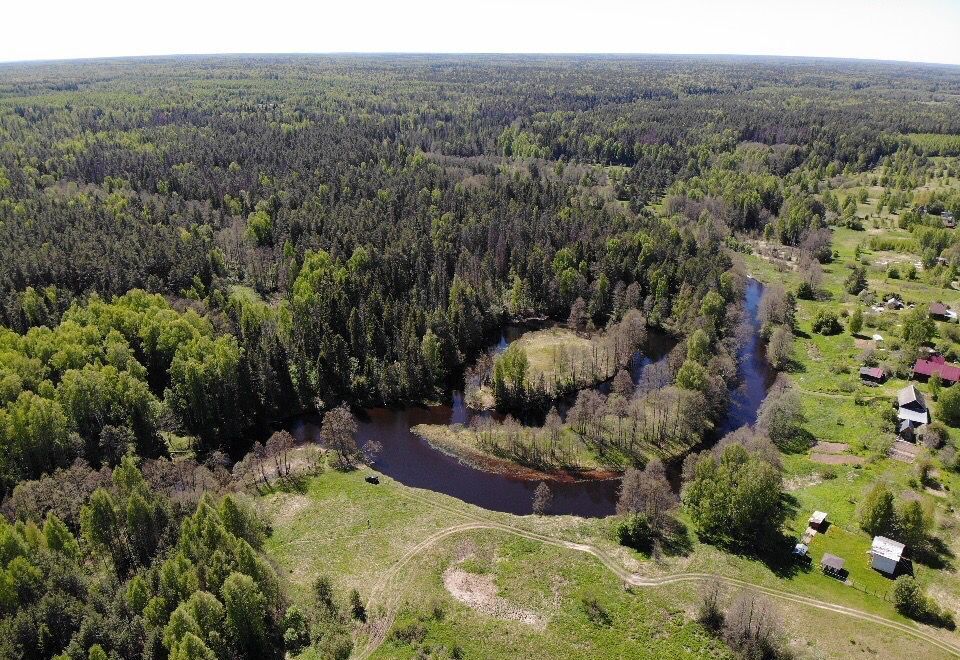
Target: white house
{"type": "Point", "coordinates": [912, 412]}
{"type": "Point", "coordinates": [886, 554]}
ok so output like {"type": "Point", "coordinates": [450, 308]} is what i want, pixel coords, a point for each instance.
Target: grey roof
{"type": "Point", "coordinates": [913, 416]}
{"type": "Point", "coordinates": [910, 394]}
{"type": "Point", "coordinates": [887, 548]}
{"type": "Point", "coordinates": [832, 561]}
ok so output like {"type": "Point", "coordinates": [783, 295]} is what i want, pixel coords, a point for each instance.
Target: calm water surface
{"type": "Point", "coordinates": [411, 460]}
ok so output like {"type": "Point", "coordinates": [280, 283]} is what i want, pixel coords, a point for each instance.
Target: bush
{"type": "Point", "coordinates": [933, 435]}
{"type": "Point", "coordinates": [635, 532]}
{"type": "Point", "coordinates": [825, 323]}
{"type": "Point", "coordinates": [856, 281]}
{"type": "Point", "coordinates": [753, 629]}
{"type": "Point", "coordinates": [805, 291]}
{"type": "Point", "coordinates": [709, 613]}
{"type": "Point", "coordinates": [911, 602]}
{"type": "Point", "coordinates": [595, 612]}
{"type": "Point", "coordinates": [950, 406]}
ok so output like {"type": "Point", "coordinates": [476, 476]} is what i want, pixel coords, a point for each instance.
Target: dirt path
{"type": "Point", "coordinates": [380, 629]}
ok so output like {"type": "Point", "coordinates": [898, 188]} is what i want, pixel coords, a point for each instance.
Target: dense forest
{"type": "Point", "coordinates": [193, 249]}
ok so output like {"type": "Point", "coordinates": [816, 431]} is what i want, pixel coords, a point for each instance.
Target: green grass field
{"type": "Point", "coordinates": [396, 543]}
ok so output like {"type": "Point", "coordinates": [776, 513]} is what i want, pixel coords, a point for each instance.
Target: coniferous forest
{"type": "Point", "coordinates": [194, 249]}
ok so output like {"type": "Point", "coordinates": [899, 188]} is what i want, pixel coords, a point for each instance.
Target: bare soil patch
{"type": "Point", "coordinates": [801, 482]}
{"type": "Point", "coordinates": [904, 451]}
{"type": "Point", "coordinates": [286, 506]}
{"type": "Point", "coordinates": [831, 447]}
{"type": "Point", "coordinates": [480, 593]}
{"type": "Point", "coordinates": [835, 459]}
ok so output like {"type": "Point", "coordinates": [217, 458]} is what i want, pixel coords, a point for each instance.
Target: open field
{"type": "Point", "coordinates": [395, 544]}
{"type": "Point", "coordinates": [561, 357]}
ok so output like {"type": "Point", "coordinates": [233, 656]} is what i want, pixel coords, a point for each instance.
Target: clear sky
{"type": "Point", "coordinates": [914, 30]}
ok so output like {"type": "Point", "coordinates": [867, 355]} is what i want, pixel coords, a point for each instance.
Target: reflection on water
{"type": "Point", "coordinates": [411, 460]}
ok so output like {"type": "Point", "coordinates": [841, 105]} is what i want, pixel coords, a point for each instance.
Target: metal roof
{"type": "Point", "coordinates": [910, 394]}
{"type": "Point", "coordinates": [887, 548]}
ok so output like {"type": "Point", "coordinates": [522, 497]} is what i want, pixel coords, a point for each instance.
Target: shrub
{"type": "Point", "coordinates": [950, 406]}
{"type": "Point", "coordinates": [856, 281]}
{"type": "Point", "coordinates": [825, 323]}
{"type": "Point", "coordinates": [911, 602]}
{"type": "Point", "coordinates": [635, 532]}
{"type": "Point", "coordinates": [709, 613]}
{"type": "Point", "coordinates": [595, 612]}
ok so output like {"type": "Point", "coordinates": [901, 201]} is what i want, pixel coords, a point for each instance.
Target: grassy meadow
{"type": "Point", "coordinates": [400, 546]}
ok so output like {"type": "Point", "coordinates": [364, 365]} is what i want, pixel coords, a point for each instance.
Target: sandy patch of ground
{"type": "Point", "coordinates": [865, 344]}
{"type": "Point", "coordinates": [835, 459]}
{"type": "Point", "coordinates": [904, 451]}
{"type": "Point", "coordinates": [831, 447]}
{"type": "Point", "coordinates": [284, 507]}
{"type": "Point", "coordinates": [936, 492]}
{"type": "Point", "coordinates": [801, 482]}
{"type": "Point", "coordinates": [480, 593]}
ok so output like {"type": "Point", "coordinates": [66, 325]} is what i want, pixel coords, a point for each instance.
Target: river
{"type": "Point", "coordinates": [412, 461]}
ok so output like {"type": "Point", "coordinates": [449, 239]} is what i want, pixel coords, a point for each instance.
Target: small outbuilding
{"type": "Point", "coordinates": [886, 554]}
{"type": "Point", "coordinates": [833, 566]}
{"type": "Point", "coordinates": [872, 375]}
{"type": "Point", "coordinates": [938, 312]}
{"type": "Point", "coordinates": [818, 520]}
{"type": "Point", "coordinates": [800, 550]}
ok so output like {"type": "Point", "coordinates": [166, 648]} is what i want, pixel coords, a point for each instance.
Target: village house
{"type": "Point", "coordinates": [912, 412]}
{"type": "Point", "coordinates": [923, 369]}
{"type": "Point", "coordinates": [872, 375]}
{"type": "Point", "coordinates": [938, 311]}
{"type": "Point", "coordinates": [948, 220]}
{"type": "Point", "coordinates": [886, 554]}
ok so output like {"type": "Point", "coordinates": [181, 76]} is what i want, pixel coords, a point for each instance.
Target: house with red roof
{"type": "Point", "coordinates": [936, 364]}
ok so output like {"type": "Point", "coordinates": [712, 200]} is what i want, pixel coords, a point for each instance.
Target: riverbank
{"type": "Point", "coordinates": [395, 544]}
{"type": "Point", "coordinates": [458, 444]}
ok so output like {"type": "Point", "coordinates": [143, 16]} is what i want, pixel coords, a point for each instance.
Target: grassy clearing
{"type": "Point", "coordinates": [355, 532]}
{"type": "Point", "coordinates": [558, 355]}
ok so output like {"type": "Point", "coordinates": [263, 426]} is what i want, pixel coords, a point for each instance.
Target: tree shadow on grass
{"type": "Point", "coordinates": [296, 483]}
{"type": "Point", "coordinates": [793, 366]}
{"type": "Point", "coordinates": [675, 538]}
{"type": "Point", "coordinates": [799, 443]}
{"type": "Point", "coordinates": [936, 555]}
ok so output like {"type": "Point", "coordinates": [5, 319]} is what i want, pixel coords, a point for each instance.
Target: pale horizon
{"type": "Point", "coordinates": [923, 32]}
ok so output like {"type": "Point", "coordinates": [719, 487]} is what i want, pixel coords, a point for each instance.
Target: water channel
{"type": "Point", "coordinates": [411, 460]}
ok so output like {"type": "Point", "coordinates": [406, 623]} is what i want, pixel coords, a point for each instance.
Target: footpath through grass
{"type": "Point", "coordinates": [355, 532]}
